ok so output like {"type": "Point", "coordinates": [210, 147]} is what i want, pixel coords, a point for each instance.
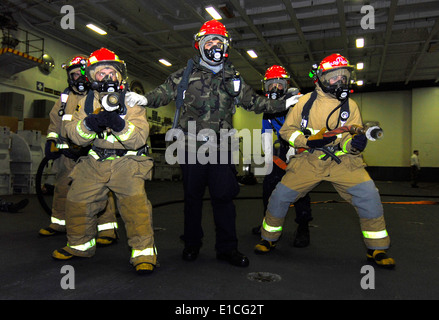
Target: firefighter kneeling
{"type": "Point", "coordinates": [114, 163]}
{"type": "Point", "coordinates": [335, 159]}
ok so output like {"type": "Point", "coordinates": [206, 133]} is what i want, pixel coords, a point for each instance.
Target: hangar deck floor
{"type": "Point", "coordinates": [330, 268]}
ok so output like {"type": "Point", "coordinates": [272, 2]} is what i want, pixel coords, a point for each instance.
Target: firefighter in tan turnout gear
{"type": "Point", "coordinates": [336, 159]}
{"type": "Point", "coordinates": [117, 161]}
{"type": "Point", "coordinates": [58, 146]}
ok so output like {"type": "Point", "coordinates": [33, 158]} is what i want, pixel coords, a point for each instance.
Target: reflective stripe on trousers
{"type": "Point", "coordinates": [144, 252]}
{"type": "Point", "coordinates": [84, 247]}
{"type": "Point", "coordinates": [270, 228]}
{"type": "Point", "coordinates": [375, 234]}
{"type": "Point", "coordinates": [107, 226]}
{"type": "Point", "coordinates": [57, 221]}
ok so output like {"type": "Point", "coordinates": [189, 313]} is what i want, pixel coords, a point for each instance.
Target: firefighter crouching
{"type": "Point", "coordinates": [58, 146]}
{"type": "Point", "coordinates": [328, 108]}
{"type": "Point", "coordinates": [116, 162]}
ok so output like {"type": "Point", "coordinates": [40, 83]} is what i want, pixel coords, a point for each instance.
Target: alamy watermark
{"type": "Point", "coordinates": [67, 281]}
{"type": "Point", "coordinates": [208, 146]}
{"type": "Point", "coordinates": [368, 20]}
{"type": "Point", "coordinates": [368, 280]}
{"type": "Point", "coordinates": [68, 20]}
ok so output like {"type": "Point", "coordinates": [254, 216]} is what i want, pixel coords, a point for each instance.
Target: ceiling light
{"type": "Point", "coordinates": [360, 66]}
{"type": "Point", "coordinates": [252, 54]}
{"type": "Point", "coordinates": [96, 29]}
{"type": "Point", "coordinates": [165, 62]}
{"type": "Point", "coordinates": [360, 82]}
{"type": "Point", "coordinates": [359, 43]}
{"type": "Point", "coordinates": [213, 13]}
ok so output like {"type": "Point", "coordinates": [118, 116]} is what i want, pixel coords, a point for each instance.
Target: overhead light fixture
{"type": "Point", "coordinates": [165, 62]}
{"type": "Point", "coordinates": [96, 29]}
{"type": "Point", "coordinates": [252, 54]}
{"type": "Point", "coordinates": [360, 82]}
{"type": "Point", "coordinates": [360, 66]}
{"type": "Point", "coordinates": [359, 42]}
{"type": "Point", "coordinates": [213, 13]}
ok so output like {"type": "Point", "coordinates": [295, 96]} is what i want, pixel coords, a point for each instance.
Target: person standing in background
{"type": "Point", "coordinates": [414, 168]}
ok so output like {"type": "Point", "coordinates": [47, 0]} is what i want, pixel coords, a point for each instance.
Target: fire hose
{"type": "Point", "coordinates": [372, 133]}
{"type": "Point", "coordinates": [38, 186]}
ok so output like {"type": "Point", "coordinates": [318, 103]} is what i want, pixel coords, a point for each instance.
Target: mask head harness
{"type": "Point", "coordinates": [275, 76]}
{"type": "Point", "coordinates": [333, 75]}
{"type": "Point", "coordinates": [210, 31]}
{"type": "Point", "coordinates": [77, 63]}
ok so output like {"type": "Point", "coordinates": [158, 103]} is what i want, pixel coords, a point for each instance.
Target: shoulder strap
{"type": "Point", "coordinates": [64, 98]}
{"type": "Point", "coordinates": [344, 112]}
{"type": "Point", "coordinates": [306, 108]}
{"type": "Point", "coordinates": [182, 87]}
{"type": "Point", "coordinates": [88, 108]}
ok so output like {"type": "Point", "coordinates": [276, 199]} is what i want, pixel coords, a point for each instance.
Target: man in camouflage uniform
{"type": "Point", "coordinates": [214, 89]}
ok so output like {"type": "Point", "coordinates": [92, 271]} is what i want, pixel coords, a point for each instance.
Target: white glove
{"type": "Point", "coordinates": [292, 100]}
{"type": "Point", "coordinates": [291, 152]}
{"type": "Point", "coordinates": [132, 99]}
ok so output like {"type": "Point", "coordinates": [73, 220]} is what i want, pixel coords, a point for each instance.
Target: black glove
{"type": "Point", "coordinates": [51, 151]}
{"type": "Point", "coordinates": [359, 142]}
{"type": "Point", "coordinates": [112, 120]}
{"type": "Point", "coordinates": [94, 122]}
{"type": "Point", "coordinates": [318, 140]}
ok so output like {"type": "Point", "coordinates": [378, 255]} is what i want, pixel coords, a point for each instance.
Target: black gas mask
{"type": "Point", "coordinates": [340, 88]}
{"type": "Point", "coordinates": [275, 93]}
{"type": "Point", "coordinates": [215, 53]}
{"type": "Point", "coordinates": [111, 94]}
{"type": "Point", "coordinates": [105, 85]}
{"type": "Point", "coordinates": [81, 84]}
{"type": "Point", "coordinates": [272, 90]}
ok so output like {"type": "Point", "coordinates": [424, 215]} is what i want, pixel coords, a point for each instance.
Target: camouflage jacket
{"type": "Point", "coordinates": [206, 99]}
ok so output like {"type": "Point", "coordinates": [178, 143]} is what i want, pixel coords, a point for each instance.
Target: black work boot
{"type": "Point", "coordinates": [301, 236]}
{"type": "Point", "coordinates": [234, 257]}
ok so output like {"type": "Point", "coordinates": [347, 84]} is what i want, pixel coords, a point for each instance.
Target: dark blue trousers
{"type": "Point", "coordinates": [223, 186]}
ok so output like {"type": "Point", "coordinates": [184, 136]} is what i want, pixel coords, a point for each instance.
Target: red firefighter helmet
{"type": "Point", "coordinates": [212, 27]}
{"type": "Point", "coordinates": [332, 62]}
{"type": "Point", "coordinates": [72, 66]}
{"type": "Point", "coordinates": [77, 61]}
{"type": "Point", "coordinates": [334, 74]}
{"type": "Point", "coordinates": [275, 74]}
{"type": "Point", "coordinates": [102, 58]}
